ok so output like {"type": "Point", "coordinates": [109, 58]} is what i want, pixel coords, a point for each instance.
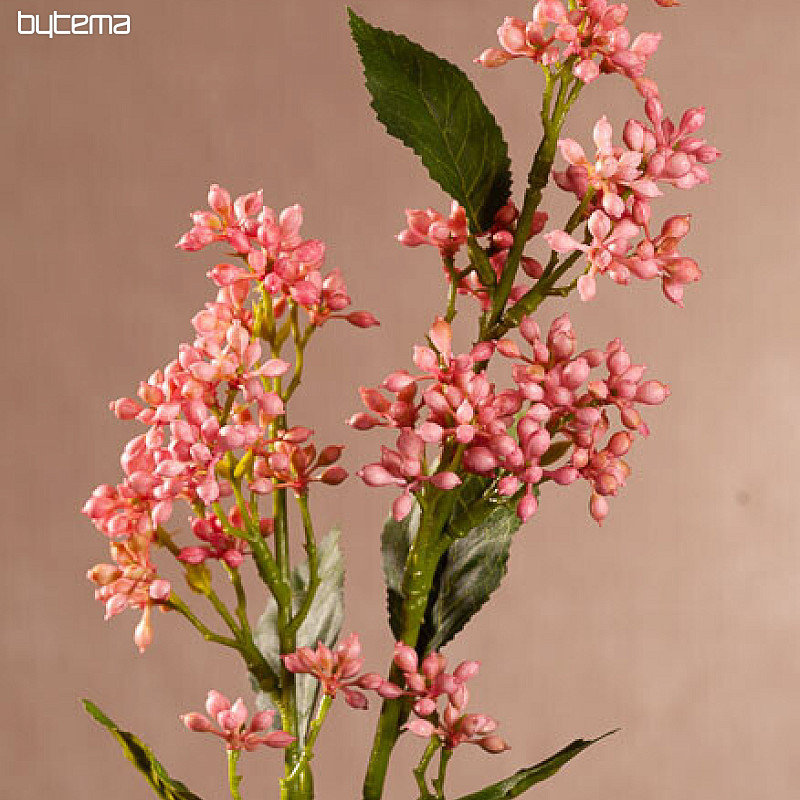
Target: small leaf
{"type": "Point", "coordinates": [433, 108]}
{"type": "Point", "coordinates": [395, 544]}
{"type": "Point", "coordinates": [140, 755]}
{"type": "Point", "coordinates": [521, 781]}
{"type": "Point", "coordinates": [323, 623]}
{"type": "Point", "coordinates": [472, 569]}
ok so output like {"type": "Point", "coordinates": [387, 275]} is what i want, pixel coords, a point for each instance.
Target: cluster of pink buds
{"type": "Point", "coordinates": [432, 228]}
{"type": "Point", "coordinates": [511, 437]}
{"type": "Point", "coordinates": [623, 182]}
{"type": "Point", "coordinates": [428, 683]}
{"type": "Point", "coordinates": [275, 257]}
{"type": "Point", "coordinates": [217, 544]}
{"type": "Point", "coordinates": [450, 235]}
{"type": "Point", "coordinates": [336, 670]}
{"type": "Point", "coordinates": [231, 724]}
{"type": "Point", "coordinates": [217, 405]}
{"type": "Point", "coordinates": [592, 34]}
{"type": "Point", "coordinates": [131, 582]}
{"type": "Point", "coordinates": [287, 464]}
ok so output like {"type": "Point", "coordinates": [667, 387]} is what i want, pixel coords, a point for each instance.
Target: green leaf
{"type": "Point", "coordinates": [472, 569]}
{"type": "Point", "coordinates": [323, 624]}
{"type": "Point", "coordinates": [521, 781]}
{"type": "Point", "coordinates": [433, 108]}
{"type": "Point", "coordinates": [468, 573]}
{"type": "Point", "coordinates": [395, 544]}
{"type": "Point", "coordinates": [140, 755]}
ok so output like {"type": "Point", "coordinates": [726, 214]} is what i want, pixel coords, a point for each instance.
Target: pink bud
{"type": "Point", "coordinates": [401, 507]}
{"type": "Point", "coordinates": [620, 443]}
{"type": "Point", "coordinates": [424, 707]}
{"type": "Point", "coordinates": [446, 480]}
{"type": "Point", "coordinates": [376, 475]}
{"type": "Point", "coordinates": [420, 727]}
{"type": "Point", "coordinates": [143, 635]}
{"type": "Point", "coordinates": [216, 703]}
{"type": "Point", "coordinates": [362, 319]}
{"type": "Point", "coordinates": [371, 681]}
{"type": "Point", "coordinates": [493, 57]}
{"type": "Point", "coordinates": [333, 476]}
{"type": "Point", "coordinates": [388, 691]}
{"type": "Point", "coordinates": [405, 657]}
{"type": "Point", "coordinates": [467, 670]}
{"type": "Point", "coordinates": [262, 721]}
{"type": "Point", "coordinates": [526, 507]}
{"type": "Point", "coordinates": [493, 744]}
{"type": "Point", "coordinates": [196, 722]}
{"type": "Point", "coordinates": [278, 739]}
{"type": "Point", "coordinates": [652, 393]}
{"type": "Point", "coordinates": [219, 199]}
{"type": "Point", "coordinates": [598, 508]}
{"type": "Point", "coordinates": [125, 408]}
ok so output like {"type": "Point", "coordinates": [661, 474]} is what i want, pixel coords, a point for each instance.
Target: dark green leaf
{"type": "Point", "coordinates": [140, 755]}
{"type": "Point", "coordinates": [433, 108]}
{"type": "Point", "coordinates": [521, 781]}
{"type": "Point", "coordinates": [473, 568]}
{"type": "Point", "coordinates": [323, 623]}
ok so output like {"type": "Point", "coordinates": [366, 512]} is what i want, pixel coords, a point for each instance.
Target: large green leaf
{"type": "Point", "coordinates": [472, 569]}
{"type": "Point", "coordinates": [323, 624]}
{"type": "Point", "coordinates": [140, 755]}
{"type": "Point", "coordinates": [521, 781]}
{"type": "Point", "coordinates": [468, 573]}
{"type": "Point", "coordinates": [433, 108]}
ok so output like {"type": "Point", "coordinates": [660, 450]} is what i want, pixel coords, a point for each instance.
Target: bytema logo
{"type": "Point", "coordinates": [76, 24]}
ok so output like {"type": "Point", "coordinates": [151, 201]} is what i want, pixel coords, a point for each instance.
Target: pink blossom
{"type": "Point", "coordinates": [431, 228]}
{"type": "Point", "coordinates": [228, 721]}
{"type": "Point", "coordinates": [131, 582]}
{"type": "Point", "coordinates": [337, 670]}
{"type": "Point", "coordinates": [509, 435]}
{"type": "Point", "coordinates": [592, 33]}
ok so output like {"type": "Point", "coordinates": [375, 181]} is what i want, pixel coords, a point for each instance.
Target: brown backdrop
{"type": "Point", "coordinates": [679, 621]}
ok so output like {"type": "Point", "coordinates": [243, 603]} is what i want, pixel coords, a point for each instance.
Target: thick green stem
{"type": "Point", "coordinates": [417, 583]}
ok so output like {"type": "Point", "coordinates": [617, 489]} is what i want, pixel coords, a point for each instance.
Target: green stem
{"type": "Point", "coordinates": [438, 782]}
{"type": "Point", "coordinates": [313, 733]}
{"type": "Point", "coordinates": [421, 769]}
{"type": "Point", "coordinates": [313, 566]}
{"type": "Point", "coordinates": [530, 301]}
{"type": "Point", "coordinates": [452, 295]}
{"type": "Point", "coordinates": [176, 604]}
{"type": "Point", "coordinates": [538, 178]}
{"type": "Point", "coordinates": [241, 600]}
{"type": "Point", "coordinates": [233, 779]}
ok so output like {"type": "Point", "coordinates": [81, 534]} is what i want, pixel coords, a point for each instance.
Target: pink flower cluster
{"type": "Point", "coordinates": [337, 670]}
{"type": "Point", "coordinates": [592, 34]}
{"type": "Point", "coordinates": [450, 235]}
{"type": "Point", "coordinates": [429, 682]}
{"type": "Point", "coordinates": [513, 437]}
{"type": "Point", "coordinates": [275, 256]}
{"type": "Point", "coordinates": [623, 182]}
{"type": "Point", "coordinates": [229, 723]}
{"type": "Point", "coordinates": [131, 582]}
{"type": "Point", "coordinates": [215, 404]}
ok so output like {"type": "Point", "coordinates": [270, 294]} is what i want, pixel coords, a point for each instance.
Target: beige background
{"type": "Point", "coordinates": [679, 621]}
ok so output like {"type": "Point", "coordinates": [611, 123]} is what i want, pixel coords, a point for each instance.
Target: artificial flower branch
{"type": "Point", "coordinates": [472, 455]}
